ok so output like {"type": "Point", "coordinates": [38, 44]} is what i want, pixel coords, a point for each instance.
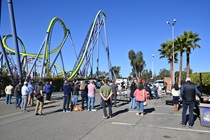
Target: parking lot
{"type": "Point", "coordinates": [159, 122]}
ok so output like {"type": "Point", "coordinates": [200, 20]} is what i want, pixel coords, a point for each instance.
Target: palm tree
{"type": "Point", "coordinates": [166, 51]}
{"type": "Point", "coordinates": [181, 47]}
{"type": "Point", "coordinates": [191, 43]}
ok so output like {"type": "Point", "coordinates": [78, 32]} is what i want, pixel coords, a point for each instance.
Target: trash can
{"type": "Point", "coordinates": [205, 111]}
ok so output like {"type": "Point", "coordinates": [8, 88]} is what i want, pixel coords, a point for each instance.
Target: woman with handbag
{"type": "Point", "coordinates": [140, 95]}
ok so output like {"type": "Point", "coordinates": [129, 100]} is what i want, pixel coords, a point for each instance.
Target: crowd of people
{"type": "Point", "coordinates": [139, 93]}
{"type": "Point", "coordinates": [185, 93]}
{"type": "Point", "coordinates": [24, 95]}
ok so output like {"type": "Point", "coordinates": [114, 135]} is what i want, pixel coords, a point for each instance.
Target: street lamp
{"type": "Point", "coordinates": [152, 66]}
{"type": "Point", "coordinates": [172, 25]}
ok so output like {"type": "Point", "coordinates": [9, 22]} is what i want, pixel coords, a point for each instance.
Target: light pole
{"type": "Point", "coordinates": [172, 25]}
{"type": "Point", "coordinates": [152, 66]}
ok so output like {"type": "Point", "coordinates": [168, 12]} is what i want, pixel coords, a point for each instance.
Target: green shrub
{"type": "Point", "coordinates": [195, 77]}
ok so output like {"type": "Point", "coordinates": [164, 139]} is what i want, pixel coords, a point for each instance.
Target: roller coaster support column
{"type": "Point", "coordinates": [107, 51]}
{"type": "Point", "coordinates": [5, 57]}
{"type": "Point", "coordinates": [37, 56]}
{"type": "Point", "coordinates": [59, 53]}
{"type": "Point", "coordinates": [12, 19]}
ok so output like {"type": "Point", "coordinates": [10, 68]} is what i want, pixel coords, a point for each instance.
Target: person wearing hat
{"type": "Point", "coordinates": [25, 93]}
{"type": "Point", "coordinates": [188, 93]}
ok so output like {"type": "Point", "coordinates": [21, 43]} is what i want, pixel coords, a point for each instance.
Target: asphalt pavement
{"type": "Point", "coordinates": [159, 122]}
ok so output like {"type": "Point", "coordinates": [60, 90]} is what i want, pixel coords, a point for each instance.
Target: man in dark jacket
{"type": "Point", "coordinates": [188, 93]}
{"type": "Point", "coordinates": [114, 92]}
{"type": "Point", "coordinates": [18, 98]}
{"type": "Point", "coordinates": [67, 89]}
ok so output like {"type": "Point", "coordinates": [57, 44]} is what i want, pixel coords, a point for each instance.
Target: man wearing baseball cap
{"type": "Point", "coordinates": [25, 92]}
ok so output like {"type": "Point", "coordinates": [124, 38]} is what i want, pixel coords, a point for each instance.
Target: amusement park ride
{"type": "Point", "coordinates": [42, 60]}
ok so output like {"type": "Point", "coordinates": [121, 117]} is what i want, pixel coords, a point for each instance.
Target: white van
{"type": "Point", "coordinates": [159, 84]}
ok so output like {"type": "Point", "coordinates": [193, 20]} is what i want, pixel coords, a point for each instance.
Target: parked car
{"type": "Point", "coordinates": [159, 84]}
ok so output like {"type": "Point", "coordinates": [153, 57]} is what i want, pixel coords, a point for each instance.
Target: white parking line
{"type": "Point", "coordinates": [164, 114]}
{"type": "Point", "coordinates": [159, 106]}
{"type": "Point", "coordinates": [154, 113]}
{"type": "Point", "coordinates": [160, 127]}
{"type": "Point", "coordinates": [121, 123]}
{"type": "Point", "coordinates": [10, 115]}
{"type": "Point", "coordinates": [180, 129]}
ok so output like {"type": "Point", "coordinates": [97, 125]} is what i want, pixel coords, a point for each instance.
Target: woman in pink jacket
{"type": "Point", "coordinates": [140, 95]}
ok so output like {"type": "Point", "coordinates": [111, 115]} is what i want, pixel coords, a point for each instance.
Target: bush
{"type": "Point", "coordinates": [195, 77]}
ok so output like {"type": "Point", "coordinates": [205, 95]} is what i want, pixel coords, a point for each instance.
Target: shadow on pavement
{"type": "Point", "coordinates": [149, 110]}
{"type": "Point", "coordinates": [52, 112]}
{"type": "Point", "coordinates": [120, 112]}
{"type": "Point", "coordinates": [50, 106]}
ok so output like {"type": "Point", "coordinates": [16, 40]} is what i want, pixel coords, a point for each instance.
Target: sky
{"type": "Point", "coordinates": [138, 25]}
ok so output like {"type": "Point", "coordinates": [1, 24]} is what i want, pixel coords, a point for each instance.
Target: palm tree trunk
{"type": "Point", "coordinates": [180, 68]}
{"type": "Point", "coordinates": [188, 64]}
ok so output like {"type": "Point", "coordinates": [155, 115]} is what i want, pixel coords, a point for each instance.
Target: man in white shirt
{"type": "Point", "coordinates": [25, 92]}
{"type": "Point", "coordinates": [8, 91]}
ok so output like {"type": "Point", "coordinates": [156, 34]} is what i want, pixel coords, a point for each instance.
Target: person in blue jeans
{"type": "Point", "coordinates": [133, 100]}
{"type": "Point", "coordinates": [18, 98]}
{"type": "Point", "coordinates": [154, 91]}
{"type": "Point", "coordinates": [76, 93]}
{"type": "Point", "coordinates": [91, 95]}
{"type": "Point", "coordinates": [91, 102]}
{"type": "Point", "coordinates": [48, 91]}
{"type": "Point", "coordinates": [141, 96]}
{"type": "Point", "coordinates": [9, 91]}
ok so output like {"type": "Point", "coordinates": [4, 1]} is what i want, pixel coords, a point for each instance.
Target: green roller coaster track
{"type": "Point", "coordinates": [48, 52]}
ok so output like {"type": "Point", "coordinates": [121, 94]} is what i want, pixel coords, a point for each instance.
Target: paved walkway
{"type": "Point", "coordinates": [160, 122]}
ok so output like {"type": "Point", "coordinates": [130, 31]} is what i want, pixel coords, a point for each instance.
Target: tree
{"type": "Point", "coordinates": [101, 74]}
{"type": "Point", "coordinates": [181, 47]}
{"type": "Point", "coordinates": [166, 51]}
{"type": "Point", "coordinates": [191, 43]}
{"type": "Point", "coordinates": [133, 74]}
{"type": "Point", "coordinates": [116, 70]}
{"type": "Point", "coordinates": [163, 73]}
{"type": "Point", "coordinates": [137, 62]}
{"type": "Point", "coordinates": [146, 74]}
{"type": "Point", "coordinates": [132, 57]}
